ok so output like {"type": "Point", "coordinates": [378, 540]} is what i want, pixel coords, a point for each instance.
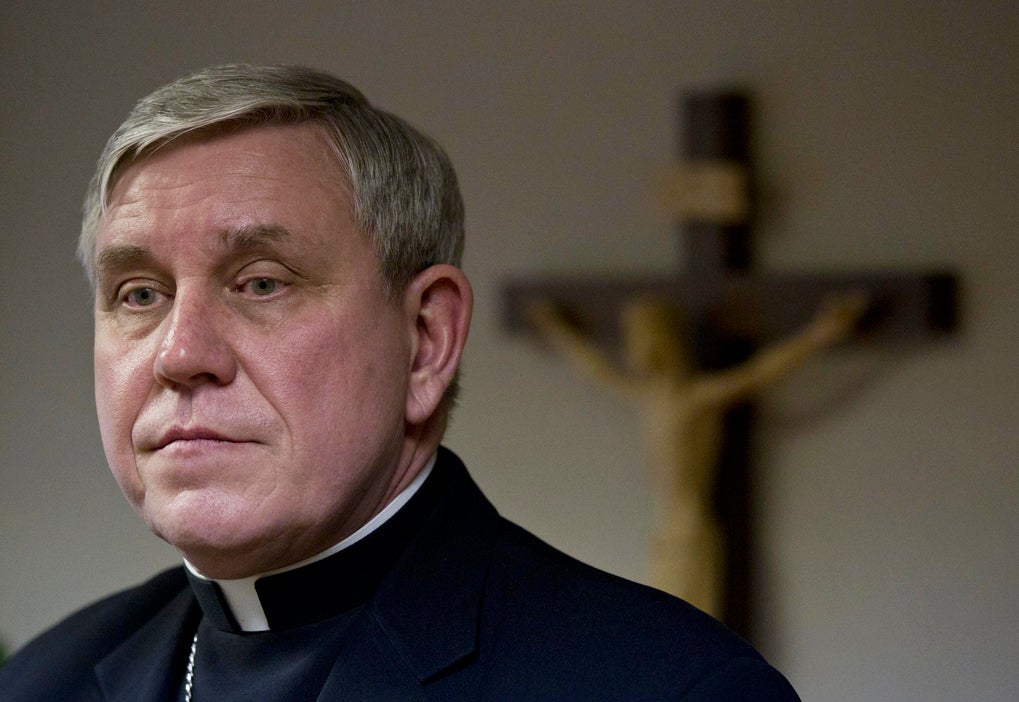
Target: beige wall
{"type": "Point", "coordinates": [887, 139]}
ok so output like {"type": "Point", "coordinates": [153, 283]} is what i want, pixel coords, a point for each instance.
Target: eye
{"type": "Point", "coordinates": [141, 297]}
{"type": "Point", "coordinates": [262, 278]}
{"type": "Point", "coordinates": [263, 286]}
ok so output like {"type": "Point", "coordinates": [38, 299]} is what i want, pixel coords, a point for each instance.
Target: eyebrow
{"type": "Point", "coordinates": [253, 236]}
{"type": "Point", "coordinates": [123, 256]}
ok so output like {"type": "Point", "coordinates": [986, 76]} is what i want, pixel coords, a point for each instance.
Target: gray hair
{"type": "Point", "coordinates": [404, 191]}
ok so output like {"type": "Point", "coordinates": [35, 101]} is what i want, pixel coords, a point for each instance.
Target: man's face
{"type": "Point", "coordinates": [251, 372]}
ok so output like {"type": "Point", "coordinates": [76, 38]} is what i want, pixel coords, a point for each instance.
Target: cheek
{"type": "Point", "coordinates": [341, 388]}
{"type": "Point", "coordinates": [115, 374]}
{"type": "Point", "coordinates": [119, 394]}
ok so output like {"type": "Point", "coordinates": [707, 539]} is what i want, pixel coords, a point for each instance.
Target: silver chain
{"type": "Point", "coordinates": [190, 676]}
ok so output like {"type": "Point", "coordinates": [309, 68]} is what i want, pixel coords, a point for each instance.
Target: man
{"type": "Point", "coordinates": [279, 317]}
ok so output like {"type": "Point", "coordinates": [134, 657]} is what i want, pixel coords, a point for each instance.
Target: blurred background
{"type": "Point", "coordinates": [885, 137]}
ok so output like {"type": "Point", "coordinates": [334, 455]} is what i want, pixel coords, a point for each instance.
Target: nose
{"type": "Point", "coordinates": [194, 349]}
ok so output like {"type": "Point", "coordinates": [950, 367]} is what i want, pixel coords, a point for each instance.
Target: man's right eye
{"type": "Point", "coordinates": [140, 297]}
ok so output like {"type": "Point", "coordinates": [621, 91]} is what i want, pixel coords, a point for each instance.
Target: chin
{"type": "Point", "coordinates": [207, 530]}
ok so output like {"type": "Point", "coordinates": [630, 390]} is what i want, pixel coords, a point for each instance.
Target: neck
{"type": "Point", "coordinates": [241, 598]}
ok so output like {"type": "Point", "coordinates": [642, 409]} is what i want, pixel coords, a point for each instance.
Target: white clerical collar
{"type": "Point", "coordinates": [240, 594]}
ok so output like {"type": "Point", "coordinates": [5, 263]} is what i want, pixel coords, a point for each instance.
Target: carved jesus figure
{"type": "Point", "coordinates": [681, 413]}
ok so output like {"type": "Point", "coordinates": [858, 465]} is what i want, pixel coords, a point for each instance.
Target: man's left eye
{"type": "Point", "coordinates": [263, 286]}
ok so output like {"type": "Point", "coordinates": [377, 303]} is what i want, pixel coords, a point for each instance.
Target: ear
{"type": "Point", "coordinates": [437, 304]}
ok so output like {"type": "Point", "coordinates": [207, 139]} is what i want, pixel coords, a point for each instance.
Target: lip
{"type": "Point", "coordinates": [178, 435]}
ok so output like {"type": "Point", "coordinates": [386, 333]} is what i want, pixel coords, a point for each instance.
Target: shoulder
{"type": "Point", "coordinates": [545, 626]}
{"type": "Point", "coordinates": [105, 623]}
{"type": "Point", "coordinates": [63, 657]}
{"type": "Point", "coordinates": [565, 621]}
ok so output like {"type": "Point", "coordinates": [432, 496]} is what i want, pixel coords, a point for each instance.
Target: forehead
{"type": "Point", "coordinates": [301, 149]}
{"type": "Point", "coordinates": [228, 179]}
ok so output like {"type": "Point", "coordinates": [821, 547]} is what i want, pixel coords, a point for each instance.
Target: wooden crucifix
{"type": "Point", "coordinates": [691, 350]}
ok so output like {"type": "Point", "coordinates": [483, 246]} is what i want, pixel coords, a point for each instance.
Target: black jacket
{"type": "Point", "coordinates": [476, 609]}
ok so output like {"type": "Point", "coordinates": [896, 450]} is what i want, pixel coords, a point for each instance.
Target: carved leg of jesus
{"type": "Point", "coordinates": [688, 557]}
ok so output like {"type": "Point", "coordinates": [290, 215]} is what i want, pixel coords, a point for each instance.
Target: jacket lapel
{"type": "Point", "coordinates": [424, 620]}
